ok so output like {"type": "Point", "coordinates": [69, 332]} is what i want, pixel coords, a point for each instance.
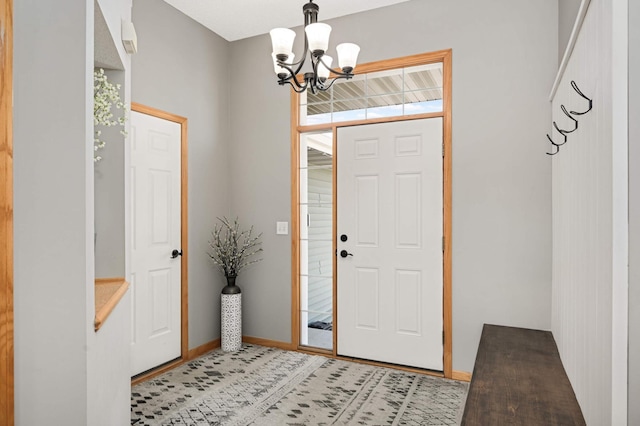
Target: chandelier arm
{"type": "Point", "coordinates": [292, 77]}
{"type": "Point", "coordinates": [293, 81]}
{"type": "Point", "coordinates": [288, 68]}
{"type": "Point", "coordinates": [314, 66]}
{"type": "Point", "coordinates": [323, 88]}
{"type": "Point", "coordinates": [284, 64]}
{"type": "Point", "coordinates": [304, 54]}
{"type": "Point", "coordinates": [299, 88]}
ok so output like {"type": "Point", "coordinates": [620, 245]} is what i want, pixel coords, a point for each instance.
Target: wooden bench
{"type": "Point", "coordinates": [518, 379]}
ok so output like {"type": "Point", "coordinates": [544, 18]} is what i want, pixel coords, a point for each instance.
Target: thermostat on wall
{"type": "Point", "coordinates": [129, 37]}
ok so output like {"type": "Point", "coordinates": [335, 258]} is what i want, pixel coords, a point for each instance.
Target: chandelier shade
{"type": "Point", "coordinates": [318, 36]}
{"type": "Point", "coordinates": [347, 55]}
{"type": "Point", "coordinates": [316, 41]}
{"type": "Point", "coordinates": [282, 41]}
{"type": "Point", "coordinates": [324, 68]}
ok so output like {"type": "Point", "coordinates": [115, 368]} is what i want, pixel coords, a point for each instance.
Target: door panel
{"type": "Point", "coordinates": [156, 231]}
{"type": "Point", "coordinates": [390, 205]}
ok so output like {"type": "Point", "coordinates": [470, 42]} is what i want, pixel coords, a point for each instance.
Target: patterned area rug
{"type": "Point", "coordinates": [266, 386]}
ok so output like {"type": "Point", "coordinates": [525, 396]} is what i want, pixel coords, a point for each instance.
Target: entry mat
{"type": "Point", "coordinates": [266, 386]}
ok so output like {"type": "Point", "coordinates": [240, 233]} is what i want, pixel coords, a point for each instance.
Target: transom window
{"type": "Point", "coordinates": [392, 93]}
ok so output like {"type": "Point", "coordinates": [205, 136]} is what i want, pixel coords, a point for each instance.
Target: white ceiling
{"type": "Point", "coordinates": [238, 19]}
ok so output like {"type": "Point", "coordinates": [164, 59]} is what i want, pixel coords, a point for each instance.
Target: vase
{"type": "Point", "coordinates": [231, 317]}
{"type": "Point", "coordinates": [231, 287]}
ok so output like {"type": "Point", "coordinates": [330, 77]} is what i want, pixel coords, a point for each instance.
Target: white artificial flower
{"type": "Point", "coordinates": [105, 96]}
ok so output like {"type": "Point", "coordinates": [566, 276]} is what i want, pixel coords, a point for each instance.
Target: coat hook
{"type": "Point", "coordinates": [579, 92]}
{"type": "Point", "coordinates": [575, 122]}
{"type": "Point", "coordinates": [562, 132]}
{"type": "Point", "coordinates": [557, 145]}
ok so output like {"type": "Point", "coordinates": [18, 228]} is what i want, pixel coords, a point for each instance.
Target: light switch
{"type": "Point", "coordinates": [282, 228]}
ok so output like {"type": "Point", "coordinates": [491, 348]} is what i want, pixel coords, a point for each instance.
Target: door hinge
{"type": "Point", "coordinates": [442, 149]}
{"type": "Point", "coordinates": [443, 243]}
{"type": "Point", "coordinates": [443, 337]}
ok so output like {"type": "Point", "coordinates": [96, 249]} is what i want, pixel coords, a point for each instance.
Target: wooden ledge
{"type": "Point", "coordinates": [109, 291]}
{"type": "Point", "coordinates": [519, 379]}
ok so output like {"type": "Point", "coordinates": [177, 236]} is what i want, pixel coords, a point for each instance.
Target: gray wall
{"type": "Point", "coordinates": [567, 14]}
{"type": "Point", "coordinates": [53, 216]}
{"type": "Point", "coordinates": [181, 67]}
{"type": "Point", "coordinates": [504, 63]}
{"type": "Point", "coordinates": [634, 213]}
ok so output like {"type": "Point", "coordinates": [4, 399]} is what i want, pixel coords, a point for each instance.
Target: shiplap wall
{"type": "Point", "coordinates": [585, 217]}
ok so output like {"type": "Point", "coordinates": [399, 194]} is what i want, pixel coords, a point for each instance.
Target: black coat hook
{"type": "Point", "coordinates": [557, 148]}
{"type": "Point", "coordinates": [562, 132]}
{"type": "Point", "coordinates": [575, 122]}
{"type": "Point", "coordinates": [557, 145]}
{"type": "Point", "coordinates": [579, 92]}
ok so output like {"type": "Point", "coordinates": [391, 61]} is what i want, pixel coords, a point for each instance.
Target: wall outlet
{"type": "Point", "coordinates": [282, 228]}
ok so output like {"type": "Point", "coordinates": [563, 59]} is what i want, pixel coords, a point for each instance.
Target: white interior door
{"type": "Point", "coordinates": [156, 232]}
{"type": "Point", "coordinates": [390, 208]}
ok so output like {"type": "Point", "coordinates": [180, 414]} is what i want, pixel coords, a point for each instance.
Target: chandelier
{"type": "Point", "coordinates": [316, 41]}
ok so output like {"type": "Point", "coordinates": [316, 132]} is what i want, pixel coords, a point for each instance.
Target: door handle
{"type": "Point", "coordinates": [344, 253]}
{"type": "Point", "coordinates": [175, 253]}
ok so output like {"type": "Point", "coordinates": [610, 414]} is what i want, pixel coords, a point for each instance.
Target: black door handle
{"type": "Point", "coordinates": [175, 253]}
{"type": "Point", "coordinates": [344, 253]}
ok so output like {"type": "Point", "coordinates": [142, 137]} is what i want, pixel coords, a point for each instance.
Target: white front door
{"type": "Point", "coordinates": [390, 211]}
{"type": "Point", "coordinates": [156, 232]}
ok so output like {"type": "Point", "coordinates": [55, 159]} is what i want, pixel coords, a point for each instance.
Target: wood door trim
{"type": "Point", "coordinates": [447, 299]}
{"type": "Point", "coordinates": [445, 57]}
{"type": "Point", "coordinates": [295, 220]}
{"type": "Point", "coordinates": [330, 126]}
{"type": "Point", "coordinates": [184, 227]}
{"type": "Point", "coordinates": [6, 216]}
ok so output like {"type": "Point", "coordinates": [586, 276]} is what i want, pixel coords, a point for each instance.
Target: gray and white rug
{"type": "Point", "coordinates": [266, 386]}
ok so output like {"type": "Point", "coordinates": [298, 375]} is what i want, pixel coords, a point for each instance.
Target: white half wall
{"type": "Point", "coordinates": [634, 213]}
{"type": "Point", "coordinates": [590, 218]}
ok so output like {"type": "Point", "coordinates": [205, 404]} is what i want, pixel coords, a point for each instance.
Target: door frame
{"type": "Point", "coordinates": [184, 237]}
{"type": "Point", "coordinates": [6, 215]}
{"type": "Point", "coordinates": [444, 57]}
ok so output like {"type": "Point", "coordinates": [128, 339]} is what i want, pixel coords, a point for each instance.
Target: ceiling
{"type": "Point", "coordinates": [238, 19]}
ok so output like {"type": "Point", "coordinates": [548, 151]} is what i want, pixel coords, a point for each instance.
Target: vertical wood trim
{"type": "Point", "coordinates": [334, 242]}
{"type": "Point", "coordinates": [295, 220]}
{"type": "Point", "coordinates": [184, 219]}
{"type": "Point", "coordinates": [184, 241]}
{"type": "Point", "coordinates": [6, 214]}
{"type": "Point", "coordinates": [444, 56]}
{"type": "Point", "coordinates": [447, 195]}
